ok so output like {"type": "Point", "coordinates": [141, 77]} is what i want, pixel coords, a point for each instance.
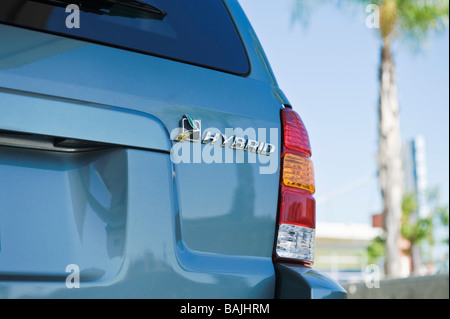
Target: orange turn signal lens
{"type": "Point", "coordinates": [298, 172]}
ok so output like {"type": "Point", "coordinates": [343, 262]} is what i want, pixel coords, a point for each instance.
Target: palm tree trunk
{"type": "Point", "coordinates": [390, 162]}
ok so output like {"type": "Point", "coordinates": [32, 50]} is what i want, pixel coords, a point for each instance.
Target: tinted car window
{"type": "Point", "coordinates": [199, 32]}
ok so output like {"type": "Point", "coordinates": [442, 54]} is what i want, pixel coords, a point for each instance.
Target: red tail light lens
{"type": "Point", "coordinates": [297, 208]}
{"type": "Point", "coordinates": [295, 135]}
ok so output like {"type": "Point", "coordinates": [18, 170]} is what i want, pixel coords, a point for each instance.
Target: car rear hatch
{"type": "Point", "coordinates": [79, 120]}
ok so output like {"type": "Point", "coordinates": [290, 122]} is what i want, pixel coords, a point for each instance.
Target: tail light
{"type": "Point", "coordinates": [297, 207]}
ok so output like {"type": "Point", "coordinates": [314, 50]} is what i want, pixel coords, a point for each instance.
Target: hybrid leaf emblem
{"type": "Point", "coordinates": [190, 129]}
{"type": "Point", "coordinates": [192, 122]}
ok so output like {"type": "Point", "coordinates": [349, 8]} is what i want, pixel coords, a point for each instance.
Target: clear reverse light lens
{"type": "Point", "coordinates": [296, 242]}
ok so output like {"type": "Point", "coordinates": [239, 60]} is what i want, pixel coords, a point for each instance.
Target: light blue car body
{"type": "Point", "coordinates": [136, 224]}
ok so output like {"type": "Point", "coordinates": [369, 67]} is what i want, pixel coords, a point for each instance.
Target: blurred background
{"type": "Point", "coordinates": [326, 58]}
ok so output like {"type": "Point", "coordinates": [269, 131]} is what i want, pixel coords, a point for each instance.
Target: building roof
{"type": "Point", "coordinates": [347, 231]}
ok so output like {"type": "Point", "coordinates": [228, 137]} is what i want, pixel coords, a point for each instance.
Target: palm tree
{"type": "Point", "coordinates": [413, 20]}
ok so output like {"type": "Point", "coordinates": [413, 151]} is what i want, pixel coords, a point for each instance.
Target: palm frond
{"type": "Point", "coordinates": [410, 20]}
{"type": "Point", "coordinates": [417, 19]}
{"type": "Point", "coordinates": [303, 9]}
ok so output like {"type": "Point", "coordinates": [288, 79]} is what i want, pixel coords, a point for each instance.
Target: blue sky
{"type": "Point", "coordinates": [329, 70]}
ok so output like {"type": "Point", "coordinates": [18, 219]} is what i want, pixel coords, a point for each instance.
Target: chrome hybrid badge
{"type": "Point", "coordinates": [190, 130]}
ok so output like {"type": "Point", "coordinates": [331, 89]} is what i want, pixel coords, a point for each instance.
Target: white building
{"type": "Point", "coordinates": [342, 249]}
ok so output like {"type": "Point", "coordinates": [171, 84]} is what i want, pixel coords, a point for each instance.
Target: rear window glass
{"type": "Point", "coordinates": [199, 32]}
